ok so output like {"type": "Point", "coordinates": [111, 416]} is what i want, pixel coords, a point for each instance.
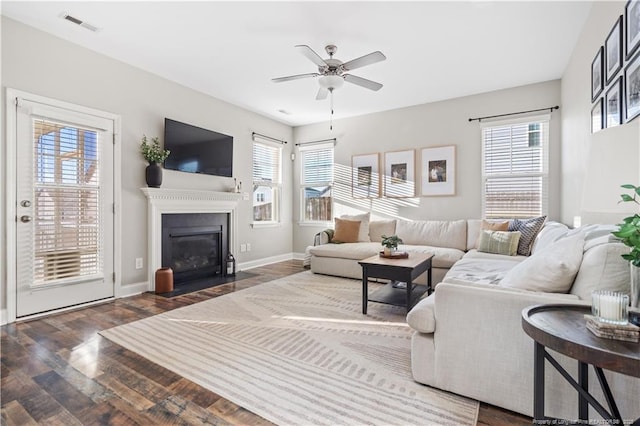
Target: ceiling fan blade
{"type": "Point", "coordinates": [369, 59]}
{"type": "Point", "coordinates": [372, 85]}
{"type": "Point", "coordinates": [311, 54]}
{"type": "Point", "coordinates": [294, 77]}
{"type": "Point", "coordinates": [322, 93]}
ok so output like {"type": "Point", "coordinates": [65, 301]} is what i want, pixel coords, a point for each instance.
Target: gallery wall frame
{"type": "Point", "coordinates": [632, 27]}
{"type": "Point", "coordinates": [597, 80]}
{"type": "Point", "coordinates": [613, 104]}
{"type": "Point", "coordinates": [613, 51]}
{"type": "Point", "coordinates": [365, 176]}
{"type": "Point", "coordinates": [399, 179]}
{"type": "Point", "coordinates": [632, 88]}
{"type": "Point", "coordinates": [438, 171]}
{"type": "Point", "coordinates": [597, 120]}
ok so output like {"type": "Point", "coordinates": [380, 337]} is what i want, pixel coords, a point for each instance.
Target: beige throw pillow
{"type": "Point", "coordinates": [499, 242]}
{"type": "Point", "coordinates": [491, 226]}
{"type": "Point", "coordinates": [346, 231]}
{"type": "Point", "coordinates": [363, 233]}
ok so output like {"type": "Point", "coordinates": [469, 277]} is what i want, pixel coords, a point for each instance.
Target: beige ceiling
{"type": "Point", "coordinates": [232, 50]}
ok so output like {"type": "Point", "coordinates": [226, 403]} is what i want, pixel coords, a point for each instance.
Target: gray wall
{"type": "Point", "coordinates": [36, 62]}
{"type": "Point", "coordinates": [423, 126]}
{"type": "Point", "coordinates": [594, 165]}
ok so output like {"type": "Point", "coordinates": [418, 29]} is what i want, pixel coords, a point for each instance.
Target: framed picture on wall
{"type": "Point", "coordinates": [438, 171]}
{"type": "Point", "coordinates": [399, 174]}
{"type": "Point", "coordinates": [365, 176]}
{"type": "Point", "coordinates": [596, 117]}
{"type": "Point", "coordinates": [596, 75]}
{"type": "Point", "coordinates": [613, 104]}
{"type": "Point", "coordinates": [632, 89]}
{"type": "Point", "coordinates": [632, 27]}
{"type": "Point", "coordinates": [613, 51]}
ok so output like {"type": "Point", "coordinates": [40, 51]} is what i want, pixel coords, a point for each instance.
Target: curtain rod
{"type": "Point", "coordinates": [515, 113]}
{"type": "Point", "coordinates": [254, 134]}
{"type": "Point", "coordinates": [320, 141]}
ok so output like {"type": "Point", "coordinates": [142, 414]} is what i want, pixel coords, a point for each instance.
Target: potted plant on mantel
{"type": "Point", "coordinates": [390, 244]}
{"type": "Point", "coordinates": [629, 234]}
{"type": "Point", "coordinates": [155, 155]}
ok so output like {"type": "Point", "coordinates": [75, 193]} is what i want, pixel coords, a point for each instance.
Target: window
{"type": "Point", "coordinates": [515, 168]}
{"type": "Point", "coordinates": [267, 183]}
{"type": "Point", "coordinates": [317, 183]}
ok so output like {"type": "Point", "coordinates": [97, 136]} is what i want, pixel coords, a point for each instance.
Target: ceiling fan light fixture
{"type": "Point", "coordinates": [331, 82]}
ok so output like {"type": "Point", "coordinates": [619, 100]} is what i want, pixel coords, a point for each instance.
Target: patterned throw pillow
{"type": "Point", "coordinates": [529, 228]}
{"type": "Point", "coordinates": [491, 226]}
{"type": "Point", "coordinates": [346, 231]}
{"type": "Point", "coordinates": [499, 242]}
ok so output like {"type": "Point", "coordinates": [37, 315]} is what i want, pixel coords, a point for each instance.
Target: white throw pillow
{"type": "Point", "coordinates": [551, 270]}
{"type": "Point", "coordinates": [363, 235]}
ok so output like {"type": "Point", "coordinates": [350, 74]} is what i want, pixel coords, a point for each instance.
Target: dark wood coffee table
{"type": "Point", "coordinates": [563, 328]}
{"type": "Point", "coordinates": [396, 270]}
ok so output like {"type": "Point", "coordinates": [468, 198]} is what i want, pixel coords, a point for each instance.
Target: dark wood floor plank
{"type": "Point", "coordinates": [99, 382]}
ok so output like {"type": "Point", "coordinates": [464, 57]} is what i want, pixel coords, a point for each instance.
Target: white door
{"type": "Point", "coordinates": [64, 212]}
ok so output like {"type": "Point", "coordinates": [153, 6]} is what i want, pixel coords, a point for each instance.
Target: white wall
{"type": "Point", "coordinates": [594, 165]}
{"type": "Point", "coordinates": [422, 126]}
{"type": "Point", "coordinates": [36, 62]}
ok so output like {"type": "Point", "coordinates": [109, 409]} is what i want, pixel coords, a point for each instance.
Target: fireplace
{"type": "Point", "coordinates": [194, 245]}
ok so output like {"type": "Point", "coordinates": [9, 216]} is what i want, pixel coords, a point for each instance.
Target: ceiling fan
{"type": "Point", "coordinates": [332, 71]}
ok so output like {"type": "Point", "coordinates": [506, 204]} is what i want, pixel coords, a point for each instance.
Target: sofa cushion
{"type": "Point", "coordinates": [363, 235]}
{"type": "Point", "coordinates": [499, 242]}
{"type": "Point", "coordinates": [378, 228]}
{"type": "Point", "coordinates": [551, 270]}
{"type": "Point", "coordinates": [550, 233]}
{"type": "Point", "coordinates": [346, 231]}
{"type": "Point", "coordinates": [602, 268]}
{"type": "Point", "coordinates": [357, 251]}
{"type": "Point", "coordinates": [451, 234]}
{"type": "Point", "coordinates": [422, 316]}
{"type": "Point", "coordinates": [529, 228]}
{"type": "Point", "coordinates": [481, 268]}
{"type": "Point", "coordinates": [443, 257]}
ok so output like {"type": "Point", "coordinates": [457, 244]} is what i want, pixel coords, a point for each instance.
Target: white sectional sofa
{"type": "Point", "coordinates": [468, 337]}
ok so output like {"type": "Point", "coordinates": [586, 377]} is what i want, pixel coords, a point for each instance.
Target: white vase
{"type": "Point", "coordinates": [634, 294]}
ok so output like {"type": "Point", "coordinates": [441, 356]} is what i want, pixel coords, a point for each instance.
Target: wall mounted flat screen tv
{"type": "Point", "coordinates": [197, 150]}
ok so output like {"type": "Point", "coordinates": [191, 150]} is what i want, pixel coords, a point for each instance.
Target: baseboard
{"type": "Point", "coordinates": [265, 261]}
{"type": "Point", "coordinates": [132, 289]}
{"type": "Point", "coordinates": [298, 256]}
{"type": "Point", "coordinates": [3, 317]}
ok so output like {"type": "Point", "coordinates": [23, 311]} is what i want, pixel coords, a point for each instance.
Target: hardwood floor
{"type": "Point", "coordinates": [58, 370]}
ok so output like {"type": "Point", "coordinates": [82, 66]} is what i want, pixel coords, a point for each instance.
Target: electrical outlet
{"type": "Point", "coordinates": [139, 263]}
{"type": "Point", "coordinates": [243, 248]}
{"type": "Point", "coordinates": [248, 246]}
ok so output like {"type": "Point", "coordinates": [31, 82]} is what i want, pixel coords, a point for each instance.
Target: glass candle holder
{"type": "Point", "coordinates": [610, 306]}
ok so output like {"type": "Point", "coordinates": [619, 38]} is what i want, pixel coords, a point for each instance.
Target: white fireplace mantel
{"type": "Point", "coordinates": [170, 201]}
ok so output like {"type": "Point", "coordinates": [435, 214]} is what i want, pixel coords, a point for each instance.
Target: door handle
{"type": "Point", "coordinates": [25, 218]}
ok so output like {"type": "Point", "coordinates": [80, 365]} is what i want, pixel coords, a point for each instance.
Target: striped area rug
{"type": "Point", "coordinates": [298, 351]}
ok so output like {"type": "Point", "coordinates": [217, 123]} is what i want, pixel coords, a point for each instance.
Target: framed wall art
{"type": "Point", "coordinates": [632, 27]}
{"type": "Point", "coordinates": [596, 75]}
{"type": "Point", "coordinates": [438, 169]}
{"type": "Point", "coordinates": [596, 117]}
{"type": "Point", "coordinates": [613, 51]}
{"type": "Point", "coordinates": [632, 89]}
{"type": "Point", "coordinates": [613, 104]}
{"type": "Point", "coordinates": [399, 174]}
{"type": "Point", "coordinates": [365, 176]}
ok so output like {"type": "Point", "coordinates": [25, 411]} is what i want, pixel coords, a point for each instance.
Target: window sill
{"type": "Point", "coordinates": [316, 224]}
{"type": "Point", "coordinates": [266, 225]}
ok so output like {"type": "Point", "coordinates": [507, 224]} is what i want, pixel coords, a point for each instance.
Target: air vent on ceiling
{"type": "Point", "coordinates": [80, 22]}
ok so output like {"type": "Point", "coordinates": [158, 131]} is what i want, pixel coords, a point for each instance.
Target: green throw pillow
{"type": "Point", "coordinates": [499, 242]}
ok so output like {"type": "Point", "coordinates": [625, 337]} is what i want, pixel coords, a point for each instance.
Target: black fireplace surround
{"type": "Point", "coordinates": [194, 245]}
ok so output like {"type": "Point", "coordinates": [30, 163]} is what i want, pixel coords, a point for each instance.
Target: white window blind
{"type": "Point", "coordinates": [317, 182]}
{"type": "Point", "coordinates": [266, 181]}
{"type": "Point", "coordinates": [67, 243]}
{"type": "Point", "coordinates": [515, 169]}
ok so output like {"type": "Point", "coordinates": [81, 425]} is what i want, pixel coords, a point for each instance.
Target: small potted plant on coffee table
{"type": "Point", "coordinates": [390, 244]}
